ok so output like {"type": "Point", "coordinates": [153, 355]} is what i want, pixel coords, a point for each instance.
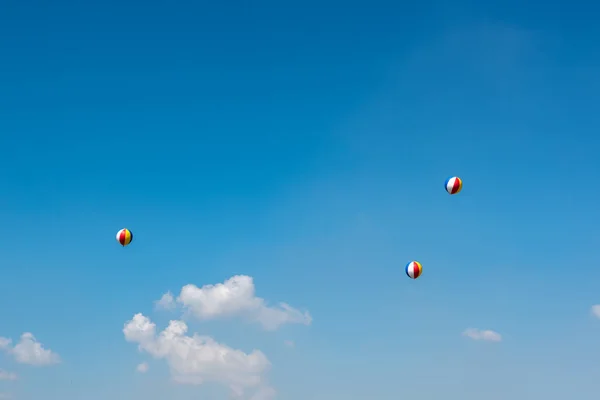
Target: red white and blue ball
{"type": "Point", "coordinates": [453, 185]}
{"type": "Point", "coordinates": [414, 269]}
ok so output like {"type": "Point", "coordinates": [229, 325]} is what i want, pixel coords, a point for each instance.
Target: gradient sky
{"type": "Point", "coordinates": [304, 144]}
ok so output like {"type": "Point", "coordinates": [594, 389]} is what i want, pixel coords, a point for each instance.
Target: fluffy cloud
{"type": "Point", "coordinates": [235, 297]}
{"type": "Point", "coordinates": [486, 335]}
{"type": "Point", "coordinates": [142, 368]}
{"type": "Point", "coordinates": [29, 351]}
{"type": "Point", "coordinates": [7, 376]}
{"type": "Point", "coordinates": [596, 310]}
{"type": "Point", "coordinates": [197, 359]}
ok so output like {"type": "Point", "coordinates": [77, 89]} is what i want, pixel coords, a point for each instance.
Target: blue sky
{"type": "Point", "coordinates": [304, 145]}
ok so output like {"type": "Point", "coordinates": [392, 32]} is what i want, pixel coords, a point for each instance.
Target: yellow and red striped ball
{"type": "Point", "coordinates": [124, 237]}
{"type": "Point", "coordinates": [414, 269]}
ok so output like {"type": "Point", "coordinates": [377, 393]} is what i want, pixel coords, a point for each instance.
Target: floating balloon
{"type": "Point", "coordinates": [414, 269]}
{"type": "Point", "coordinates": [453, 185]}
{"type": "Point", "coordinates": [124, 237]}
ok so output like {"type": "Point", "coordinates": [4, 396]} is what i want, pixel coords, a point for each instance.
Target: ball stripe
{"type": "Point", "coordinates": [417, 269]}
{"type": "Point", "coordinates": [457, 185]}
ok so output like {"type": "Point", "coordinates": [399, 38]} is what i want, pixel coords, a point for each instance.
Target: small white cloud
{"type": "Point", "coordinates": [166, 302]}
{"type": "Point", "coordinates": [289, 343]}
{"type": "Point", "coordinates": [7, 376]}
{"type": "Point", "coordinates": [142, 368]}
{"type": "Point", "coordinates": [236, 297]}
{"type": "Point", "coordinates": [596, 310]}
{"type": "Point", "coordinates": [29, 351]}
{"type": "Point", "coordinates": [198, 359]}
{"type": "Point", "coordinates": [485, 335]}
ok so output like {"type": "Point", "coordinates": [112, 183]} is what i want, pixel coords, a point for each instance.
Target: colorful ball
{"type": "Point", "coordinates": [453, 185]}
{"type": "Point", "coordinates": [124, 237]}
{"type": "Point", "coordinates": [414, 269]}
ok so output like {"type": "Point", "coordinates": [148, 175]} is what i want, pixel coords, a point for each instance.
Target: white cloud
{"type": "Point", "coordinates": [142, 368]}
{"type": "Point", "coordinates": [7, 376]}
{"type": "Point", "coordinates": [236, 297]}
{"type": "Point", "coordinates": [486, 335]}
{"type": "Point", "coordinates": [29, 351]}
{"type": "Point", "coordinates": [166, 302]}
{"type": "Point", "coordinates": [596, 310]}
{"type": "Point", "coordinates": [289, 343]}
{"type": "Point", "coordinates": [197, 359]}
